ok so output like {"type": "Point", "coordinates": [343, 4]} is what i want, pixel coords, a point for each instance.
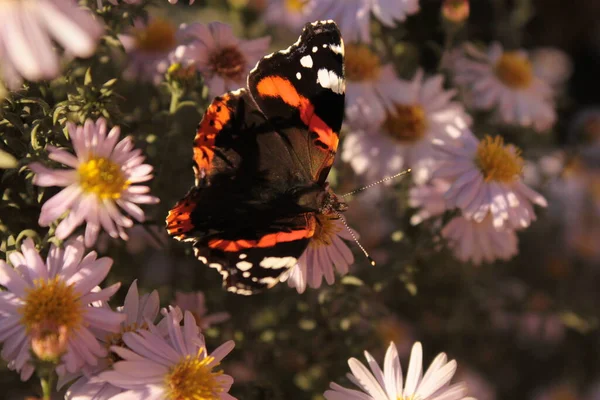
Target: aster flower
{"type": "Point", "coordinates": [137, 310]}
{"type": "Point", "coordinates": [370, 87]}
{"type": "Point", "coordinates": [429, 198]}
{"type": "Point", "coordinates": [353, 16]}
{"type": "Point", "coordinates": [291, 14]}
{"type": "Point", "coordinates": [551, 65]}
{"type": "Point", "coordinates": [151, 48]}
{"type": "Point", "coordinates": [176, 367]}
{"type": "Point", "coordinates": [388, 384]}
{"type": "Point", "coordinates": [422, 111]}
{"type": "Point", "coordinates": [505, 81]}
{"type": "Point", "coordinates": [480, 241]}
{"type": "Point", "coordinates": [326, 251]}
{"type": "Point", "coordinates": [195, 303]}
{"type": "Point", "coordinates": [485, 177]}
{"type": "Point", "coordinates": [51, 301]}
{"type": "Point", "coordinates": [103, 176]}
{"type": "Point", "coordinates": [31, 27]}
{"type": "Point", "coordinates": [223, 60]}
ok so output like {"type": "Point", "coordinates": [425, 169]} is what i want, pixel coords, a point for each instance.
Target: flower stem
{"type": "Point", "coordinates": [175, 96]}
{"type": "Point", "coordinates": [47, 383]}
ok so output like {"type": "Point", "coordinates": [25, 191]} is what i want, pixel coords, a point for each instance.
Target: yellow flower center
{"type": "Point", "coordinates": [103, 177]}
{"type": "Point", "coordinates": [325, 230]}
{"type": "Point", "coordinates": [514, 70]}
{"type": "Point", "coordinates": [228, 62]}
{"type": "Point", "coordinates": [194, 379]}
{"type": "Point", "coordinates": [407, 123]}
{"type": "Point", "coordinates": [157, 37]}
{"type": "Point", "coordinates": [361, 63]}
{"type": "Point", "coordinates": [51, 302]}
{"type": "Point", "coordinates": [498, 162]}
{"type": "Point", "coordinates": [295, 6]}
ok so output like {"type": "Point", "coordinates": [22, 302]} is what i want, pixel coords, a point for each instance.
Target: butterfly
{"type": "Point", "coordinates": [261, 158]}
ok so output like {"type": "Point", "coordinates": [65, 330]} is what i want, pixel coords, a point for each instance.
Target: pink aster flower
{"type": "Point", "coordinates": [480, 241]}
{"type": "Point", "coordinates": [223, 60]}
{"type": "Point", "coordinates": [486, 177]}
{"type": "Point", "coordinates": [176, 367]}
{"type": "Point", "coordinates": [388, 384]}
{"type": "Point", "coordinates": [354, 16]}
{"type": "Point", "coordinates": [151, 48]}
{"type": "Point", "coordinates": [102, 178]}
{"type": "Point", "coordinates": [137, 311]}
{"type": "Point", "coordinates": [196, 304]}
{"type": "Point", "coordinates": [325, 253]}
{"type": "Point", "coordinates": [50, 302]}
{"type": "Point", "coordinates": [429, 199]}
{"type": "Point", "coordinates": [291, 14]}
{"type": "Point", "coordinates": [30, 29]}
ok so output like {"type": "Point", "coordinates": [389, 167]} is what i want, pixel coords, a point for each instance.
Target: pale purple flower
{"type": "Point", "coordinates": [102, 178]}
{"type": "Point", "coordinates": [30, 29]}
{"type": "Point", "coordinates": [152, 48]}
{"type": "Point", "coordinates": [429, 199]}
{"type": "Point", "coordinates": [196, 304]}
{"type": "Point", "coordinates": [326, 253]}
{"type": "Point", "coordinates": [354, 16]}
{"type": "Point", "coordinates": [291, 14]}
{"type": "Point", "coordinates": [137, 311]}
{"type": "Point", "coordinates": [223, 60]}
{"type": "Point", "coordinates": [505, 82]}
{"type": "Point", "coordinates": [178, 366]}
{"type": "Point", "coordinates": [486, 177]}
{"type": "Point", "coordinates": [51, 295]}
{"type": "Point", "coordinates": [552, 65]}
{"type": "Point", "coordinates": [422, 111]}
{"type": "Point", "coordinates": [480, 241]}
{"type": "Point", "coordinates": [388, 384]}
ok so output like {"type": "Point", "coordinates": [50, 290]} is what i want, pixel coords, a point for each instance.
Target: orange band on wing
{"type": "Point", "coordinates": [268, 240]}
{"type": "Point", "coordinates": [213, 121]}
{"type": "Point", "coordinates": [276, 86]}
{"type": "Point", "coordinates": [179, 219]}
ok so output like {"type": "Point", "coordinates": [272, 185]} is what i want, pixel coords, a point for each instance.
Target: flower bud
{"type": "Point", "coordinates": [49, 341]}
{"type": "Point", "coordinates": [456, 11]}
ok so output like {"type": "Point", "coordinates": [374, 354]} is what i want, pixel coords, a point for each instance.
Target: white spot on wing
{"type": "Point", "coordinates": [306, 61]}
{"type": "Point", "coordinates": [278, 262]}
{"type": "Point", "coordinates": [330, 80]}
{"type": "Point", "coordinates": [298, 75]}
{"type": "Point", "coordinates": [246, 274]}
{"type": "Point", "coordinates": [314, 49]}
{"type": "Point", "coordinates": [243, 255]}
{"type": "Point", "coordinates": [203, 260]}
{"type": "Point", "coordinates": [243, 265]}
{"type": "Point", "coordinates": [337, 49]}
{"type": "Point", "coordinates": [269, 281]}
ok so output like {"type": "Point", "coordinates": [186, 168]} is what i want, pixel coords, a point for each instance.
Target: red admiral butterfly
{"type": "Point", "coordinates": [261, 159]}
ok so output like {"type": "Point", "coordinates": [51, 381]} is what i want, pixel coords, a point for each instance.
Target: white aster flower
{"type": "Point", "coordinates": [506, 82]}
{"type": "Point", "coordinates": [326, 251]}
{"type": "Point", "coordinates": [422, 111]}
{"type": "Point", "coordinates": [137, 311]}
{"type": "Point", "coordinates": [486, 178]}
{"type": "Point", "coordinates": [291, 14]}
{"type": "Point", "coordinates": [176, 367]}
{"type": "Point", "coordinates": [151, 48]}
{"type": "Point", "coordinates": [196, 304]}
{"type": "Point", "coordinates": [30, 28]}
{"type": "Point", "coordinates": [223, 60]}
{"type": "Point", "coordinates": [388, 384]}
{"type": "Point", "coordinates": [480, 241]}
{"type": "Point", "coordinates": [46, 300]}
{"type": "Point", "coordinates": [370, 87]}
{"type": "Point", "coordinates": [353, 16]}
{"type": "Point", "coordinates": [103, 175]}
{"type": "Point", "coordinates": [552, 65]}
{"type": "Point", "coordinates": [429, 198]}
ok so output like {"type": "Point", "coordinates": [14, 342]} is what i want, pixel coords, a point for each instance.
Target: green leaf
{"type": "Point", "coordinates": [351, 280]}
{"type": "Point", "coordinates": [7, 160]}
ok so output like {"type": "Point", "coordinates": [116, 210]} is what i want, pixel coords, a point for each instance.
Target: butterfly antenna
{"type": "Point", "coordinates": [356, 240]}
{"type": "Point", "coordinates": [389, 178]}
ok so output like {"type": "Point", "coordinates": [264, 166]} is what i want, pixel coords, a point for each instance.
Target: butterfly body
{"type": "Point", "coordinates": [261, 158]}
